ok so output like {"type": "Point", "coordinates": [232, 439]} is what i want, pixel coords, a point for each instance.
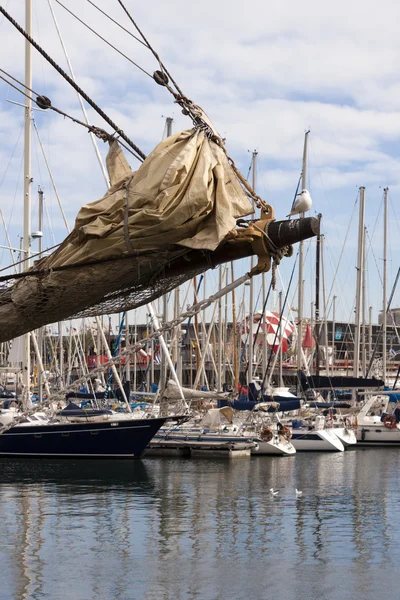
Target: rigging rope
{"type": "Point", "coordinates": [104, 39]}
{"type": "Point", "coordinates": [116, 23]}
{"type": "Point", "coordinates": [73, 84]}
{"type": "Point", "coordinates": [44, 103]}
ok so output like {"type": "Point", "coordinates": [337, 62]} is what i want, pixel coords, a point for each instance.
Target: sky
{"type": "Point", "coordinates": [264, 73]}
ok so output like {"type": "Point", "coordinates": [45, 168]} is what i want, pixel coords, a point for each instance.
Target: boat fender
{"type": "Point", "coordinates": [362, 434]}
{"type": "Point", "coordinates": [266, 434]}
{"type": "Point", "coordinates": [390, 421]}
{"type": "Point", "coordinates": [285, 432]}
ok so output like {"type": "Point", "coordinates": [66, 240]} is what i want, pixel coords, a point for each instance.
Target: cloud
{"type": "Point", "coordinates": [264, 75]}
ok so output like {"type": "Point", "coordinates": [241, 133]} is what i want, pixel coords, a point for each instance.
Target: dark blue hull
{"type": "Point", "coordinates": [105, 439]}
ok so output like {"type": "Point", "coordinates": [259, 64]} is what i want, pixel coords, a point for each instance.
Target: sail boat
{"type": "Point", "coordinates": [152, 230]}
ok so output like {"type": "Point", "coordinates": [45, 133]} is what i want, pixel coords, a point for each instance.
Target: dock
{"type": "Point", "coordinates": [200, 449]}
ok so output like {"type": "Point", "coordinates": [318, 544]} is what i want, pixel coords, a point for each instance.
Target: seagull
{"type": "Point", "coordinates": [302, 203]}
{"type": "Point", "coordinates": [298, 493]}
{"type": "Point", "coordinates": [273, 492]}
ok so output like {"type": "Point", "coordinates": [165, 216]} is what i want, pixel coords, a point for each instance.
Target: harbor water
{"type": "Point", "coordinates": [182, 529]}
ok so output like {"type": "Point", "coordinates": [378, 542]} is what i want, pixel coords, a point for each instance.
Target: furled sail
{"type": "Point", "coordinates": [184, 196]}
{"type": "Point", "coordinates": [154, 229]}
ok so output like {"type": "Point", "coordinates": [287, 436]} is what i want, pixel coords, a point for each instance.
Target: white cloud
{"type": "Point", "coordinates": [264, 74]}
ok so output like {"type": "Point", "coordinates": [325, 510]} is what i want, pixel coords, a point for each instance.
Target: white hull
{"type": "Point", "coordinates": [377, 435]}
{"type": "Point", "coordinates": [323, 440]}
{"type": "Point", "coordinates": [346, 436]}
{"type": "Point", "coordinates": [276, 447]}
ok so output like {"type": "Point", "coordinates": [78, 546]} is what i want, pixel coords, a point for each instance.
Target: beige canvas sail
{"type": "Point", "coordinates": [184, 193]}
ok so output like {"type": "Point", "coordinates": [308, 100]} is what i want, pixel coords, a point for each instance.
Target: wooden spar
{"type": "Point", "coordinates": [47, 297]}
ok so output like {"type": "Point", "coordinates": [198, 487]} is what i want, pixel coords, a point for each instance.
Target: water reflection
{"type": "Point", "coordinates": [182, 529]}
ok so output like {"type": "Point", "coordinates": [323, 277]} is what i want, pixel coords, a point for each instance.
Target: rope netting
{"type": "Point", "coordinates": [127, 352]}
{"type": "Point", "coordinates": [101, 287]}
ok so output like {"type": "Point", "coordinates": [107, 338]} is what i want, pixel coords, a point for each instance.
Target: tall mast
{"type": "Point", "coordinates": [317, 306]}
{"type": "Point", "coordinates": [363, 311]}
{"type": "Point", "coordinates": [384, 300]}
{"type": "Point", "coordinates": [251, 299]}
{"type": "Point", "coordinates": [26, 365]}
{"type": "Point", "coordinates": [301, 260]}
{"type": "Point", "coordinates": [333, 333]}
{"type": "Point", "coordinates": [165, 362]}
{"type": "Point", "coordinates": [219, 377]}
{"type": "Point", "coordinates": [360, 262]}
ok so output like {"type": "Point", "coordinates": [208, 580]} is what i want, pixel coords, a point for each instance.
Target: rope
{"type": "Point", "coordinates": [104, 40]}
{"type": "Point", "coordinates": [162, 66]}
{"type": "Point", "coordinates": [37, 272]}
{"type": "Point", "coordinates": [17, 275]}
{"type": "Point", "coordinates": [276, 254]}
{"type": "Point", "coordinates": [72, 83]}
{"type": "Point", "coordinates": [169, 326]}
{"type": "Point", "coordinates": [116, 23]}
{"type": "Point", "coordinates": [44, 103]}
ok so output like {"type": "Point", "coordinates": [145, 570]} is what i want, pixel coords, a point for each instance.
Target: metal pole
{"type": "Point", "coordinates": [156, 326]}
{"type": "Point", "coordinates": [360, 261]}
{"type": "Point", "coordinates": [280, 341]}
{"type": "Point", "coordinates": [363, 312]}
{"type": "Point", "coordinates": [92, 136]}
{"type": "Point", "coordinates": [384, 301]}
{"type": "Point", "coordinates": [251, 293]}
{"type": "Point", "coordinates": [301, 261]}
{"type": "Point", "coordinates": [127, 344]}
{"type": "Point", "coordinates": [165, 361]}
{"type": "Point", "coordinates": [219, 383]}
{"type": "Point", "coordinates": [26, 364]}
{"type": "Point", "coordinates": [333, 334]}
{"type": "Point", "coordinates": [324, 305]}
{"type": "Point", "coordinates": [317, 325]}
{"type": "Point", "coordinates": [39, 343]}
{"type": "Point", "coordinates": [370, 334]}
{"type": "Point", "coordinates": [264, 326]}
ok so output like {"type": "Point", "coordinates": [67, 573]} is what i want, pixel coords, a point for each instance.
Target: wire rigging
{"type": "Point", "coordinates": [44, 103]}
{"type": "Point", "coordinates": [104, 39]}
{"type": "Point", "coordinates": [73, 84]}
{"type": "Point", "coordinates": [116, 23]}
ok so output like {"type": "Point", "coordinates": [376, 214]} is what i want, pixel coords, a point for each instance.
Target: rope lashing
{"type": "Point", "coordinates": [275, 253]}
{"type": "Point", "coordinates": [73, 84]}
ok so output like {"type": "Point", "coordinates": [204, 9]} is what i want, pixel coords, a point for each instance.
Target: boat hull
{"type": "Point", "coordinates": [346, 436]}
{"type": "Point", "coordinates": [105, 439]}
{"type": "Point", "coordinates": [377, 435]}
{"type": "Point", "coordinates": [316, 441]}
{"type": "Point", "coordinates": [275, 447]}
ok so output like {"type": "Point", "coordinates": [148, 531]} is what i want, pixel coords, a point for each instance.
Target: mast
{"type": "Point", "coordinates": [280, 340]}
{"type": "Point", "coordinates": [301, 260]}
{"type": "Point", "coordinates": [39, 236]}
{"type": "Point", "coordinates": [219, 377]}
{"type": "Point", "coordinates": [363, 312]}
{"type": "Point", "coordinates": [317, 324]}
{"type": "Point", "coordinates": [26, 365]}
{"type": "Point", "coordinates": [384, 300]}
{"type": "Point", "coordinates": [165, 362]}
{"type": "Point", "coordinates": [333, 333]}
{"type": "Point", "coordinates": [360, 261]}
{"type": "Point", "coordinates": [251, 294]}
